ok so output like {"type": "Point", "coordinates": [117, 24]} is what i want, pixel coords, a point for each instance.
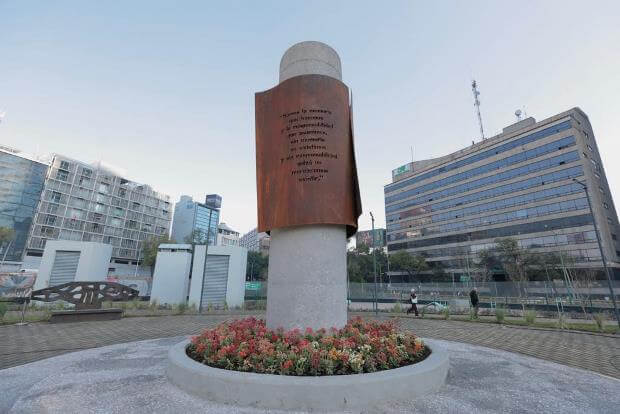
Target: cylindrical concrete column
{"type": "Point", "coordinates": [307, 284]}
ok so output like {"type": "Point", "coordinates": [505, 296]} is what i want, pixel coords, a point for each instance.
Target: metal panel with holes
{"type": "Point", "coordinates": [64, 267]}
{"type": "Point", "coordinates": [215, 281]}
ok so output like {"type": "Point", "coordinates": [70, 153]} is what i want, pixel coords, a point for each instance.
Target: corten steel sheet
{"type": "Point", "coordinates": [305, 162]}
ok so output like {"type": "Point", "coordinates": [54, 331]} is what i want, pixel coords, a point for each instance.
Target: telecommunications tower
{"type": "Point", "coordinates": [474, 89]}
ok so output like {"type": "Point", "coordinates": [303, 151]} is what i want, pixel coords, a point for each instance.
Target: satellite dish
{"type": "Point", "coordinates": [518, 114]}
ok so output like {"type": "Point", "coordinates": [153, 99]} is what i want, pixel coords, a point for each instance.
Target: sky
{"type": "Point", "coordinates": [165, 90]}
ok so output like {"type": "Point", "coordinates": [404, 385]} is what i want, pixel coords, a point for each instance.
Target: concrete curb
{"type": "Point", "coordinates": [333, 393]}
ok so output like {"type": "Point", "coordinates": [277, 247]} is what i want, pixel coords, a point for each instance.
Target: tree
{"type": "Point", "coordinates": [257, 266]}
{"type": "Point", "coordinates": [197, 236]}
{"type": "Point", "coordinates": [149, 250]}
{"type": "Point", "coordinates": [487, 263]}
{"type": "Point", "coordinates": [407, 262]}
{"type": "Point", "coordinates": [516, 261]}
{"type": "Point", "coordinates": [7, 235]}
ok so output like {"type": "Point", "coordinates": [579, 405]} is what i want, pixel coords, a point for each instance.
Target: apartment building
{"type": "Point", "coordinates": [517, 184]}
{"type": "Point", "coordinates": [85, 202]}
{"type": "Point", "coordinates": [227, 236]}
{"type": "Point", "coordinates": [255, 241]}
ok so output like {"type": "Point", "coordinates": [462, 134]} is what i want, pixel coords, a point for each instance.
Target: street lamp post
{"type": "Point", "coordinates": [598, 239]}
{"type": "Point", "coordinates": [374, 262]}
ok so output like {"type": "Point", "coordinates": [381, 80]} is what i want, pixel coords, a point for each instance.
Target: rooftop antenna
{"type": "Point", "coordinates": [474, 89]}
{"type": "Point", "coordinates": [518, 114]}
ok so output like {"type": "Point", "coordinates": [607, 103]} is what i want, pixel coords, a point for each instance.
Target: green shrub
{"type": "Point", "coordinates": [397, 308]}
{"type": "Point", "coordinates": [599, 318]}
{"type": "Point", "coordinates": [500, 315]}
{"type": "Point", "coordinates": [530, 317]}
{"type": "Point", "coordinates": [561, 321]}
{"type": "Point", "coordinates": [472, 314]}
{"type": "Point", "coordinates": [181, 308]}
{"type": "Point", "coordinates": [446, 313]}
{"type": "Point", "coordinates": [3, 308]}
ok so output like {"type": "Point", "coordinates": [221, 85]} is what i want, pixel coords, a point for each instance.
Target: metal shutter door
{"type": "Point", "coordinates": [64, 267]}
{"type": "Point", "coordinates": [215, 281]}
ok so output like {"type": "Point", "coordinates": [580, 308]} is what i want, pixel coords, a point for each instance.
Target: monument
{"type": "Point", "coordinates": [307, 188]}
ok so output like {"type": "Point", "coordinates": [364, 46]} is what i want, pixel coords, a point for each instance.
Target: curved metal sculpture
{"type": "Point", "coordinates": [86, 295]}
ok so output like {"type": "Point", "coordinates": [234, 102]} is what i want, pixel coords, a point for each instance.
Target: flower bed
{"type": "Point", "coordinates": [360, 347]}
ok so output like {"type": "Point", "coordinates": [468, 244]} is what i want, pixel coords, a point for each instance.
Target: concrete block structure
{"type": "Point", "coordinates": [517, 184]}
{"type": "Point", "coordinates": [67, 261]}
{"type": "Point", "coordinates": [224, 281]}
{"type": "Point", "coordinates": [171, 276]}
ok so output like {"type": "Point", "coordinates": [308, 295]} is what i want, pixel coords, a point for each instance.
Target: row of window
{"type": "Point", "coordinates": [525, 213]}
{"type": "Point", "coordinates": [579, 256]}
{"type": "Point", "coordinates": [483, 169]}
{"type": "Point", "coordinates": [492, 179]}
{"type": "Point", "coordinates": [490, 193]}
{"type": "Point", "coordinates": [580, 237]}
{"type": "Point", "coordinates": [559, 191]}
{"type": "Point", "coordinates": [507, 231]}
{"type": "Point", "coordinates": [481, 155]}
{"type": "Point", "coordinates": [84, 185]}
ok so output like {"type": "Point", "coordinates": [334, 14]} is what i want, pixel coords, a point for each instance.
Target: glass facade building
{"type": "Point", "coordinates": [517, 184]}
{"type": "Point", "coordinates": [21, 184]}
{"type": "Point", "coordinates": [193, 221]}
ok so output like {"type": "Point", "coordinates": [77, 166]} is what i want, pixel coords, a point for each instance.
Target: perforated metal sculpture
{"type": "Point", "coordinates": [86, 295]}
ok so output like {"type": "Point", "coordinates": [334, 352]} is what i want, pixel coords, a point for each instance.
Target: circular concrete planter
{"type": "Point", "coordinates": [325, 393]}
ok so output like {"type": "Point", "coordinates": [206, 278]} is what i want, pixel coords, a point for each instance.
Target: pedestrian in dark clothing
{"type": "Point", "coordinates": [414, 303]}
{"type": "Point", "coordinates": [473, 298]}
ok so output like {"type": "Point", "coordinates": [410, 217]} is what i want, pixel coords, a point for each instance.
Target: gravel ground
{"type": "Point", "coordinates": [129, 378]}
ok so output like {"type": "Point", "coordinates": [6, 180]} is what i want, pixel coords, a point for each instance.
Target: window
{"type": "Point", "coordinates": [613, 237]}
{"type": "Point", "coordinates": [56, 196]}
{"type": "Point", "coordinates": [62, 175]}
{"type": "Point", "coordinates": [87, 173]}
{"type": "Point", "coordinates": [609, 220]}
{"type": "Point", "coordinates": [605, 206]}
{"type": "Point", "coordinates": [99, 207]}
{"type": "Point", "coordinates": [47, 231]}
{"type": "Point", "coordinates": [589, 147]}
{"type": "Point", "coordinates": [64, 165]}
{"type": "Point", "coordinates": [97, 217]}
{"type": "Point", "coordinates": [49, 219]}
{"type": "Point", "coordinates": [601, 190]}
{"type": "Point", "coordinates": [618, 253]}
{"type": "Point", "coordinates": [84, 181]}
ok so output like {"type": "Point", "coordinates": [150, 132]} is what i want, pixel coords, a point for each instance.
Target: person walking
{"type": "Point", "coordinates": [473, 298]}
{"type": "Point", "coordinates": [414, 303]}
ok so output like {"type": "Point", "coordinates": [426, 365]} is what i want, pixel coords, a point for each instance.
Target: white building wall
{"type": "Point", "coordinates": [235, 289]}
{"type": "Point", "coordinates": [92, 265]}
{"type": "Point", "coordinates": [171, 277]}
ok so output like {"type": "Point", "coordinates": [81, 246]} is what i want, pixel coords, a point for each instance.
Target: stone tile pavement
{"type": "Point", "coordinates": [23, 344]}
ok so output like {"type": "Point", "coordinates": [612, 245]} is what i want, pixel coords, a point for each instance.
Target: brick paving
{"type": "Point", "coordinates": [594, 352]}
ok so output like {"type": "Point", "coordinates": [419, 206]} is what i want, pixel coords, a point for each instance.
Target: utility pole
{"type": "Point", "coordinates": [374, 261]}
{"type": "Point", "coordinates": [204, 269]}
{"type": "Point", "coordinates": [598, 239]}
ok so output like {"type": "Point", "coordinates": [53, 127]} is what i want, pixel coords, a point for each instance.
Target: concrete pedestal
{"type": "Point", "coordinates": [307, 285]}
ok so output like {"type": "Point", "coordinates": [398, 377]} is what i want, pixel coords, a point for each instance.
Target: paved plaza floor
{"type": "Point", "coordinates": [593, 352]}
{"type": "Point", "coordinates": [130, 378]}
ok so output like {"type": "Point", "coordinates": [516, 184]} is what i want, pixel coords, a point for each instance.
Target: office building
{"type": "Point", "coordinates": [227, 236]}
{"type": "Point", "coordinates": [95, 203]}
{"type": "Point", "coordinates": [255, 241]}
{"type": "Point", "coordinates": [196, 222]}
{"type": "Point", "coordinates": [21, 183]}
{"type": "Point", "coordinates": [517, 184]}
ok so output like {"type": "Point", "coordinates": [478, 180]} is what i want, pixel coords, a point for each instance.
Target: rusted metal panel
{"type": "Point", "coordinates": [305, 161]}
